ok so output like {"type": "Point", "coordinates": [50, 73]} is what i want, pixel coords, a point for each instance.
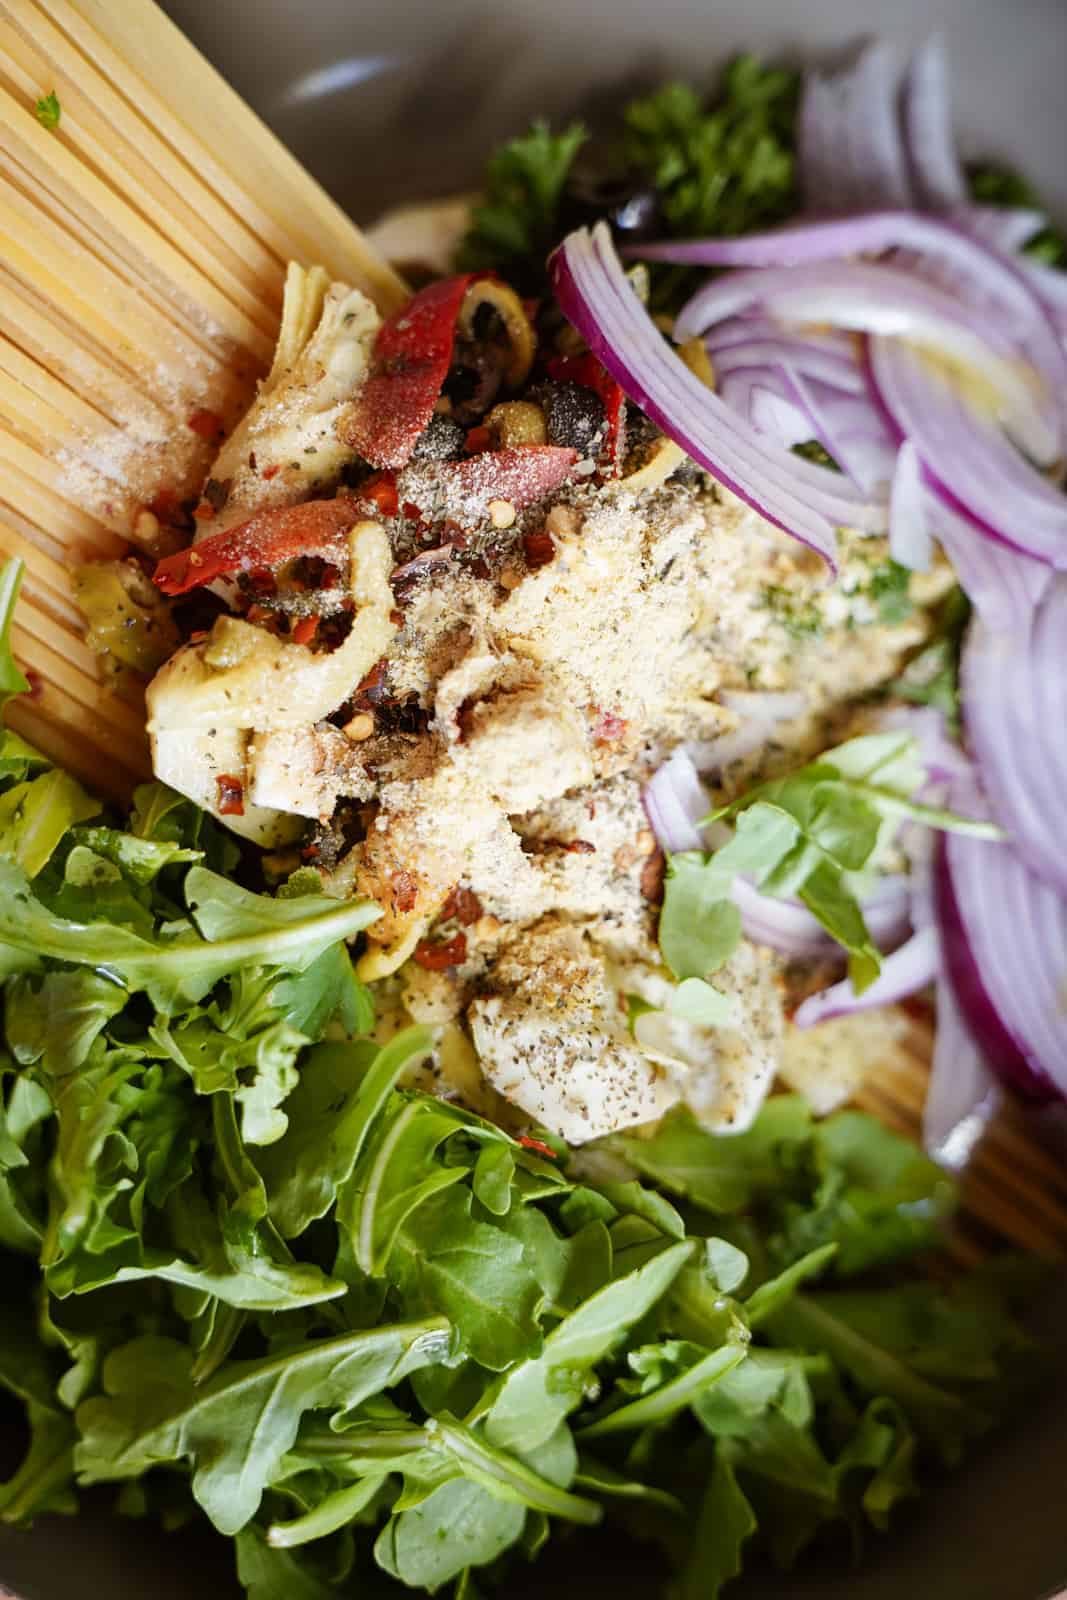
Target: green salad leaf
{"type": "Point", "coordinates": [254, 1273]}
{"type": "Point", "coordinates": [807, 835]}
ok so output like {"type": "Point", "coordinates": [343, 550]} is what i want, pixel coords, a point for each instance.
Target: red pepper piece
{"type": "Point", "coordinates": [587, 371]}
{"type": "Point", "coordinates": [523, 473]}
{"type": "Point", "coordinates": [437, 957]}
{"type": "Point", "coordinates": [380, 492]}
{"type": "Point", "coordinates": [538, 1145]}
{"type": "Point", "coordinates": [207, 424]}
{"type": "Point", "coordinates": [265, 540]}
{"type": "Point", "coordinates": [231, 796]}
{"type": "Point", "coordinates": [412, 355]}
{"type": "Point", "coordinates": [305, 630]}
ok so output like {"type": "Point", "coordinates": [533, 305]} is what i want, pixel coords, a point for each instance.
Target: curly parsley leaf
{"type": "Point", "coordinates": [517, 223]}
{"type": "Point", "coordinates": [724, 168]}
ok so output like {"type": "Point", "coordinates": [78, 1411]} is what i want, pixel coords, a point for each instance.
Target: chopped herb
{"type": "Point", "coordinates": [812, 450]}
{"type": "Point", "coordinates": [888, 589]}
{"type": "Point", "coordinates": [48, 110]}
{"type": "Point", "coordinates": [800, 618]}
{"type": "Point", "coordinates": [931, 677]}
{"type": "Point", "coordinates": [727, 167]}
{"type": "Point", "coordinates": [517, 223]}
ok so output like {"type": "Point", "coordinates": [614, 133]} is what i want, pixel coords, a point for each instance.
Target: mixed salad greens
{"type": "Point", "coordinates": [375, 1337]}
{"type": "Point", "coordinates": [251, 1271]}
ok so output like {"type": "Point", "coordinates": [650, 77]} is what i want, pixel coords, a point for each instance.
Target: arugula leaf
{"type": "Point", "coordinates": [536, 1396]}
{"type": "Point", "coordinates": [719, 1174]}
{"type": "Point", "coordinates": [517, 223]}
{"type": "Point", "coordinates": [801, 835]}
{"type": "Point", "coordinates": [274, 1574]}
{"type": "Point", "coordinates": [35, 815]}
{"type": "Point", "coordinates": [471, 1273]}
{"type": "Point", "coordinates": [725, 1523]}
{"type": "Point", "coordinates": [870, 1350]}
{"type": "Point", "coordinates": [12, 679]}
{"type": "Point", "coordinates": [459, 1525]}
{"type": "Point", "coordinates": [878, 1198]}
{"type": "Point", "coordinates": [183, 967]}
{"type": "Point", "coordinates": [662, 1403]}
{"type": "Point", "coordinates": [151, 1411]}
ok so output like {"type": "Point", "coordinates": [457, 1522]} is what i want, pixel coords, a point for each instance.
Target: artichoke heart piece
{"type": "Point", "coordinates": [210, 697]}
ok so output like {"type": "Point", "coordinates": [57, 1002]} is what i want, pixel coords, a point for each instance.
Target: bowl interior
{"type": "Point", "coordinates": [396, 101]}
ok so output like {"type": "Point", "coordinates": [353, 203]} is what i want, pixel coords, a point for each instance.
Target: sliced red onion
{"type": "Point", "coordinates": [962, 1096]}
{"type": "Point", "coordinates": [1005, 228]}
{"type": "Point", "coordinates": [676, 801]}
{"type": "Point", "coordinates": [1014, 688]}
{"type": "Point", "coordinates": [762, 712]}
{"type": "Point", "coordinates": [904, 973]}
{"type": "Point", "coordinates": [840, 369]}
{"type": "Point", "coordinates": [767, 408]}
{"type": "Point", "coordinates": [849, 136]}
{"type": "Point", "coordinates": [887, 300]}
{"type": "Point", "coordinates": [966, 458]}
{"type": "Point", "coordinates": [990, 275]}
{"type": "Point", "coordinates": [909, 536]}
{"type": "Point", "coordinates": [1004, 938]}
{"type": "Point", "coordinates": [937, 176]}
{"type": "Point", "coordinates": [788, 926]}
{"type": "Point", "coordinates": [1003, 585]}
{"type": "Point", "coordinates": [805, 500]}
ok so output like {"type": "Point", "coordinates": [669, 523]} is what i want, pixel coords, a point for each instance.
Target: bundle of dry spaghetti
{"type": "Point", "coordinates": [144, 240]}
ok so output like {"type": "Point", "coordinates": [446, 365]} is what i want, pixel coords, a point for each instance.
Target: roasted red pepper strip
{"type": "Point", "coordinates": [587, 371]}
{"type": "Point", "coordinates": [265, 540]}
{"type": "Point", "coordinates": [521, 474]}
{"type": "Point", "coordinates": [412, 355]}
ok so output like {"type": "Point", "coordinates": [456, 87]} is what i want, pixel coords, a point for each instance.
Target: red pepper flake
{"type": "Point", "coordinates": [262, 581]}
{"type": "Point", "coordinates": [271, 471]}
{"type": "Point", "coordinates": [206, 424]}
{"type": "Point", "coordinates": [204, 511]}
{"type": "Point", "coordinates": [305, 630]}
{"type": "Point", "coordinates": [539, 549]}
{"type": "Point", "coordinates": [373, 690]}
{"type": "Point", "coordinates": [652, 875]}
{"type": "Point", "coordinates": [580, 847]}
{"type": "Point", "coordinates": [537, 1145]}
{"type": "Point", "coordinates": [608, 728]}
{"type": "Point", "coordinates": [36, 683]}
{"type": "Point", "coordinates": [231, 796]}
{"type": "Point", "coordinates": [478, 439]}
{"type": "Point", "coordinates": [405, 892]}
{"type": "Point", "coordinates": [380, 492]}
{"type": "Point", "coordinates": [166, 505]}
{"type": "Point", "coordinates": [464, 905]}
{"type": "Point", "coordinates": [434, 957]}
